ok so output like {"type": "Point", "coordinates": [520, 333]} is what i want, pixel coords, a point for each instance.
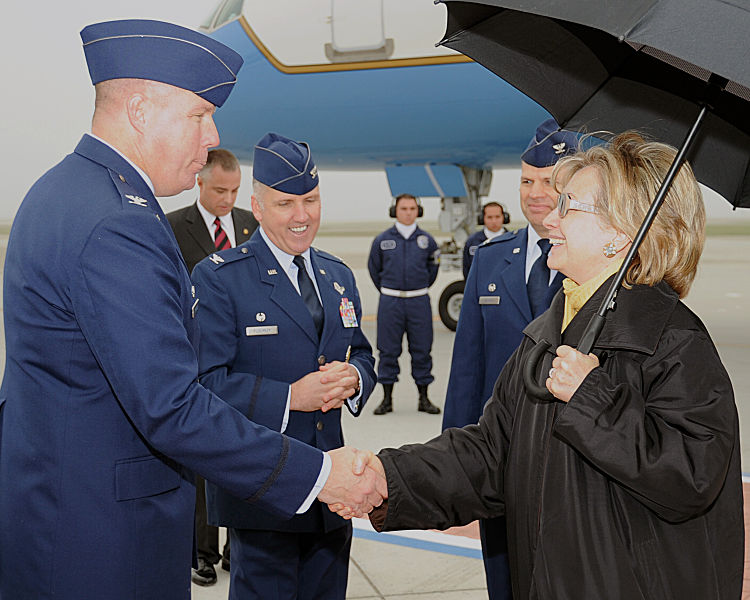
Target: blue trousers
{"type": "Point", "coordinates": [494, 537]}
{"type": "Point", "coordinates": [289, 565]}
{"type": "Point", "coordinates": [412, 316]}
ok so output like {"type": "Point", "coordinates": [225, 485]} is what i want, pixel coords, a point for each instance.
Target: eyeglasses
{"type": "Point", "coordinates": [566, 203]}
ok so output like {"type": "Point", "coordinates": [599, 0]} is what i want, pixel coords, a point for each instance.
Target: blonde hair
{"type": "Point", "coordinates": [630, 171]}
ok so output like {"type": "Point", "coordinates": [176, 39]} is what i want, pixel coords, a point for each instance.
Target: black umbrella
{"type": "Point", "coordinates": [678, 70]}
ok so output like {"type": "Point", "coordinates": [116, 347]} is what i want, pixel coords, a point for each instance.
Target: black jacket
{"type": "Point", "coordinates": [195, 241]}
{"type": "Point", "coordinates": [631, 490]}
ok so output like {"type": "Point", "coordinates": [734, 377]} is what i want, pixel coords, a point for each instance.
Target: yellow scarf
{"type": "Point", "coordinates": [577, 295]}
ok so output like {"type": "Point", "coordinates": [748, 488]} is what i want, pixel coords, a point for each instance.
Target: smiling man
{"type": "Point", "coordinates": [275, 311]}
{"type": "Point", "coordinates": [508, 285]}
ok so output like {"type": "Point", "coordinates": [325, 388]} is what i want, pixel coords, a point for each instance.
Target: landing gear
{"type": "Point", "coordinates": [449, 305]}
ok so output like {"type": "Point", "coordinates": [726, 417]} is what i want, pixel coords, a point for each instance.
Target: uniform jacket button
{"type": "Point", "coordinates": [322, 359]}
{"type": "Point", "coordinates": [319, 425]}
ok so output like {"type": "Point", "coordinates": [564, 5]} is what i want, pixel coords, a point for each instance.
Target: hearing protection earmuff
{"type": "Point", "coordinates": [392, 209]}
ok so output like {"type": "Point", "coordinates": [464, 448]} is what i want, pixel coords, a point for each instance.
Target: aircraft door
{"type": "Point", "coordinates": [358, 31]}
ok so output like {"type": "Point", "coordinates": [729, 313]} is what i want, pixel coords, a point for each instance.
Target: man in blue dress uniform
{"type": "Point", "coordinates": [102, 419]}
{"type": "Point", "coordinates": [509, 284]}
{"type": "Point", "coordinates": [494, 218]}
{"type": "Point", "coordinates": [403, 264]}
{"type": "Point", "coordinates": [276, 309]}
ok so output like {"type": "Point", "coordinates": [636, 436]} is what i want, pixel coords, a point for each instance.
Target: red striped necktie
{"type": "Point", "coordinates": [221, 240]}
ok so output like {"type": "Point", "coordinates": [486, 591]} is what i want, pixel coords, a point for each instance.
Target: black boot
{"type": "Point", "coordinates": [386, 405]}
{"type": "Point", "coordinates": [424, 402]}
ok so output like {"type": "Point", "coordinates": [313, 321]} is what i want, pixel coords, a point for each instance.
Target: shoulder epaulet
{"type": "Point", "coordinates": [129, 196]}
{"type": "Point", "coordinates": [506, 237]}
{"type": "Point", "coordinates": [327, 255]}
{"type": "Point", "coordinates": [225, 257]}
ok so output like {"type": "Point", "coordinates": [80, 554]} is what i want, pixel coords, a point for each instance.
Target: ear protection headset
{"type": "Point", "coordinates": [392, 209]}
{"type": "Point", "coordinates": [506, 216]}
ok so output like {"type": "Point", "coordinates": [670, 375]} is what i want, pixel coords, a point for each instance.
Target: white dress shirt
{"type": "Point", "coordinates": [533, 251]}
{"type": "Point", "coordinates": [227, 223]}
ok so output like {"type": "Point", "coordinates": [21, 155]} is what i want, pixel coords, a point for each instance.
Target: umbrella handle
{"type": "Point", "coordinates": [540, 392]}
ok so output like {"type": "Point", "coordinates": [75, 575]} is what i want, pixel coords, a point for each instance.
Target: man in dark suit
{"type": "Point", "coordinates": [195, 226]}
{"type": "Point", "coordinates": [277, 310]}
{"type": "Point", "coordinates": [508, 286]}
{"type": "Point", "coordinates": [103, 421]}
{"type": "Point", "coordinates": [212, 223]}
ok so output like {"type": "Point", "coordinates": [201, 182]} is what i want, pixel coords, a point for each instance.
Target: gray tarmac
{"type": "Point", "coordinates": [435, 568]}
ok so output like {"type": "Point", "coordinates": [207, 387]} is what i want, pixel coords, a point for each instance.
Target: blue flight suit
{"type": "Point", "coordinates": [255, 327]}
{"type": "Point", "coordinates": [103, 421]}
{"type": "Point", "coordinates": [404, 265]}
{"type": "Point", "coordinates": [494, 311]}
{"type": "Point", "coordinates": [473, 242]}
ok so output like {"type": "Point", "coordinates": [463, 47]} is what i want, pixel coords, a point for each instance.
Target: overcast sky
{"type": "Point", "coordinates": [47, 104]}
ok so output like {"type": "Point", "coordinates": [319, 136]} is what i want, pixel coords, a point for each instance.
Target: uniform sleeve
{"type": "Point", "coordinates": [433, 262]}
{"type": "Point", "coordinates": [375, 262]}
{"type": "Point", "coordinates": [463, 401]}
{"type": "Point", "coordinates": [128, 292]}
{"type": "Point", "coordinates": [467, 258]}
{"type": "Point", "coordinates": [261, 399]}
{"type": "Point", "coordinates": [361, 356]}
{"type": "Point", "coordinates": [665, 430]}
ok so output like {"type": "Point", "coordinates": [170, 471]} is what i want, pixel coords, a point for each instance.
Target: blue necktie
{"type": "Point", "coordinates": [307, 291]}
{"type": "Point", "coordinates": [538, 284]}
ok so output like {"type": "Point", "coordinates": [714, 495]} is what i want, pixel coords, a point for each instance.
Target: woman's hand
{"type": "Point", "coordinates": [568, 371]}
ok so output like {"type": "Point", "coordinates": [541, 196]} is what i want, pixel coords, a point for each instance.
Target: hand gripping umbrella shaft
{"type": "Point", "coordinates": [596, 324]}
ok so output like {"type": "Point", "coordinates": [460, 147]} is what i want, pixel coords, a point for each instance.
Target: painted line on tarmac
{"type": "Point", "coordinates": [434, 541]}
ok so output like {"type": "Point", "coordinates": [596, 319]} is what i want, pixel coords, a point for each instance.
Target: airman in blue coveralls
{"type": "Point", "coordinates": [499, 301]}
{"type": "Point", "coordinates": [102, 419]}
{"type": "Point", "coordinates": [494, 218]}
{"type": "Point", "coordinates": [403, 264]}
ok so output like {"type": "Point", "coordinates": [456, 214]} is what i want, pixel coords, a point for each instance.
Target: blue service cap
{"type": "Point", "coordinates": [159, 51]}
{"type": "Point", "coordinates": [549, 145]}
{"type": "Point", "coordinates": [284, 165]}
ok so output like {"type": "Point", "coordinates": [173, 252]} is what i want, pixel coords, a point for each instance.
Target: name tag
{"type": "Point", "coordinates": [262, 330]}
{"type": "Point", "coordinates": [489, 299]}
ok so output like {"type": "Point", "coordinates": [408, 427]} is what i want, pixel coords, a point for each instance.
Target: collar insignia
{"type": "Point", "coordinates": [137, 200]}
{"type": "Point", "coordinates": [215, 258]}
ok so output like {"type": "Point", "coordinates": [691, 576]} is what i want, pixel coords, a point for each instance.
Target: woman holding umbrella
{"type": "Point", "coordinates": [627, 485]}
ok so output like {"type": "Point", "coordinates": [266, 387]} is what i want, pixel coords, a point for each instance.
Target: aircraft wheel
{"type": "Point", "coordinates": [449, 305]}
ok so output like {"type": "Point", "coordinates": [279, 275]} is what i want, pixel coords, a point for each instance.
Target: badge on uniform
{"type": "Point", "coordinates": [339, 288]}
{"type": "Point", "coordinates": [348, 315]}
{"type": "Point", "coordinates": [137, 200]}
{"type": "Point", "coordinates": [423, 241]}
{"type": "Point", "coordinates": [387, 244]}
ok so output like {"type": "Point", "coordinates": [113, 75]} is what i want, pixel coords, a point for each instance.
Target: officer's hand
{"type": "Point", "coordinates": [344, 380]}
{"type": "Point", "coordinates": [308, 393]}
{"type": "Point", "coordinates": [325, 389]}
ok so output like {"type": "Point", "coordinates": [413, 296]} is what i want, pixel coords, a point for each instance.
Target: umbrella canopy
{"type": "Point", "coordinates": [627, 64]}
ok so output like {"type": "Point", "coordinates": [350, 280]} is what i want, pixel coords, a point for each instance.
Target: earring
{"type": "Point", "coordinates": [609, 250]}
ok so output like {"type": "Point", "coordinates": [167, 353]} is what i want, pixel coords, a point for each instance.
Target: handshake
{"type": "Point", "coordinates": [356, 483]}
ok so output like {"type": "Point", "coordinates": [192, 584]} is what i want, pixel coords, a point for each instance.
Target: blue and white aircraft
{"type": "Point", "coordinates": [363, 82]}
